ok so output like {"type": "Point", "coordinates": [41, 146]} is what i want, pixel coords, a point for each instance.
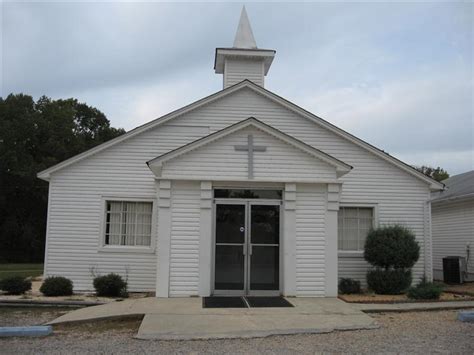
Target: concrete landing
{"type": "Point", "coordinates": [184, 318]}
{"type": "Point", "coordinates": [219, 326]}
{"type": "Point", "coordinates": [310, 315]}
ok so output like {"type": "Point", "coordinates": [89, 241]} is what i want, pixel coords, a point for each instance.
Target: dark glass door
{"type": "Point", "coordinates": [247, 249]}
{"type": "Point", "coordinates": [230, 260]}
{"type": "Point", "coordinates": [264, 244]}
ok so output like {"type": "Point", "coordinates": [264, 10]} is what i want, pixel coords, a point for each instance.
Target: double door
{"type": "Point", "coordinates": [247, 248]}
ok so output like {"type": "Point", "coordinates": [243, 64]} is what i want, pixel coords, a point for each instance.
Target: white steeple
{"type": "Point", "coordinates": [243, 61]}
{"type": "Point", "coordinates": [244, 37]}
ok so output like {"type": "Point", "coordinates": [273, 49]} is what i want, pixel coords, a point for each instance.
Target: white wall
{"type": "Point", "coordinates": [74, 220]}
{"type": "Point", "coordinates": [219, 160]}
{"type": "Point", "coordinates": [400, 196]}
{"type": "Point", "coordinates": [184, 251]}
{"type": "Point", "coordinates": [310, 239]}
{"type": "Point", "coordinates": [236, 70]}
{"type": "Point", "coordinates": [75, 211]}
{"type": "Point", "coordinates": [453, 230]}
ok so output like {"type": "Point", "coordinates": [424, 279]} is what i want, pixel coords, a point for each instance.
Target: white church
{"type": "Point", "coordinates": [239, 193]}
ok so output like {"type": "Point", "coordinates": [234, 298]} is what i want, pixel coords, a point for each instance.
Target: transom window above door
{"type": "Point", "coordinates": [354, 223]}
{"type": "Point", "coordinates": [248, 193]}
{"type": "Point", "coordinates": [128, 223]}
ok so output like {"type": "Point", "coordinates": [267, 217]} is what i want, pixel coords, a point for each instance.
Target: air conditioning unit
{"type": "Point", "coordinates": [454, 268]}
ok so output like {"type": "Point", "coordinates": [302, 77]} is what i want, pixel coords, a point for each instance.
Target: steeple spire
{"type": "Point", "coordinates": [244, 37]}
{"type": "Point", "coordinates": [243, 61]}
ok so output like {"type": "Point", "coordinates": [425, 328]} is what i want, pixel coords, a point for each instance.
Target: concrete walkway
{"type": "Point", "coordinates": [184, 318]}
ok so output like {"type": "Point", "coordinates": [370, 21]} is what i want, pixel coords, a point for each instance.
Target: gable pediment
{"type": "Point", "coordinates": [248, 150]}
{"type": "Point", "coordinates": [238, 88]}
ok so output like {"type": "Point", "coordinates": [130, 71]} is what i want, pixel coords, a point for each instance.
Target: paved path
{"type": "Point", "coordinates": [184, 318]}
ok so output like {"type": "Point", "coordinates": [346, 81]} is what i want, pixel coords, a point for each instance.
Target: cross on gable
{"type": "Point", "coordinates": [250, 148]}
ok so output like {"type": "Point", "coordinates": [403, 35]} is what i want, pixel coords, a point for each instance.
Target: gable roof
{"type": "Point", "coordinates": [457, 186]}
{"type": "Point", "coordinates": [435, 185]}
{"type": "Point", "coordinates": [341, 167]}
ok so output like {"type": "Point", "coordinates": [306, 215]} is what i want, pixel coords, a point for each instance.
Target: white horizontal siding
{"type": "Point", "coordinates": [75, 191]}
{"type": "Point", "coordinates": [452, 230]}
{"type": "Point", "coordinates": [354, 267]}
{"type": "Point", "coordinates": [399, 195]}
{"type": "Point", "coordinates": [310, 240]}
{"type": "Point", "coordinates": [237, 70]}
{"type": "Point", "coordinates": [74, 221]}
{"type": "Point", "coordinates": [219, 160]}
{"type": "Point", "coordinates": [184, 252]}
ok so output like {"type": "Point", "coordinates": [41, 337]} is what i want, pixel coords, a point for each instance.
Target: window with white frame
{"type": "Point", "coordinates": [354, 223]}
{"type": "Point", "coordinates": [128, 223]}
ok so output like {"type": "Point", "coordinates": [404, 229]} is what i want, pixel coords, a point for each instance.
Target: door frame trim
{"type": "Point", "coordinates": [247, 203]}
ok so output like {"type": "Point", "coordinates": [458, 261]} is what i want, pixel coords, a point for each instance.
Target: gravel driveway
{"type": "Point", "coordinates": [418, 332]}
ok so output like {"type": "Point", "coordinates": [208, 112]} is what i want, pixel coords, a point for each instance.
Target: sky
{"type": "Point", "coordinates": [397, 75]}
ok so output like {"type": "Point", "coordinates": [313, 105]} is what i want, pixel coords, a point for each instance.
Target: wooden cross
{"type": "Point", "coordinates": [250, 148]}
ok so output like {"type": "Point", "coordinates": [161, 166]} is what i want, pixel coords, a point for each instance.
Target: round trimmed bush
{"type": "Point", "coordinates": [15, 285]}
{"type": "Point", "coordinates": [56, 286]}
{"type": "Point", "coordinates": [349, 286]}
{"type": "Point", "coordinates": [391, 247]}
{"type": "Point", "coordinates": [389, 281]}
{"type": "Point", "coordinates": [425, 290]}
{"type": "Point", "coordinates": [111, 285]}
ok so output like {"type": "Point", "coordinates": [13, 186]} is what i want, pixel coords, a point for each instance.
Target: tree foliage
{"type": "Point", "coordinates": [33, 137]}
{"type": "Point", "coordinates": [439, 174]}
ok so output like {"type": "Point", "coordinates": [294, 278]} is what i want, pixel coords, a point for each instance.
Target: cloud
{"type": "Point", "coordinates": [398, 75]}
{"type": "Point", "coordinates": [415, 117]}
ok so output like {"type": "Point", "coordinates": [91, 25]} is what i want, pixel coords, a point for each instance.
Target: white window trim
{"type": "Point", "coordinates": [375, 223]}
{"type": "Point", "coordinates": [128, 248]}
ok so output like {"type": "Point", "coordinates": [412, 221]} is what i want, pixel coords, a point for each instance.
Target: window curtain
{"type": "Point", "coordinates": [129, 219]}
{"type": "Point", "coordinates": [115, 214]}
{"type": "Point", "coordinates": [354, 224]}
{"type": "Point", "coordinates": [143, 231]}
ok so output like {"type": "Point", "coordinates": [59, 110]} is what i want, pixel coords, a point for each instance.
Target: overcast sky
{"type": "Point", "coordinates": [399, 76]}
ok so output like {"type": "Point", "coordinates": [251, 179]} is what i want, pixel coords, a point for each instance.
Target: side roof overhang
{"type": "Point", "coordinates": [434, 185]}
{"type": "Point", "coordinates": [156, 164]}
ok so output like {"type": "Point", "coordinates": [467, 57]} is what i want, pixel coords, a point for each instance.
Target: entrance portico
{"type": "Point", "coordinates": [233, 222]}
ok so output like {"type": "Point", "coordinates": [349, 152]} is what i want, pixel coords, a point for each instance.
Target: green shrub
{"type": "Point", "coordinates": [56, 286]}
{"type": "Point", "coordinates": [111, 285]}
{"type": "Point", "coordinates": [425, 290]}
{"type": "Point", "coordinates": [348, 286]}
{"type": "Point", "coordinates": [389, 282]}
{"type": "Point", "coordinates": [391, 247]}
{"type": "Point", "coordinates": [15, 285]}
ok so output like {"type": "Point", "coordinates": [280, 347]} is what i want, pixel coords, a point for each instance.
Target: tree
{"type": "Point", "coordinates": [439, 174]}
{"type": "Point", "coordinates": [33, 137]}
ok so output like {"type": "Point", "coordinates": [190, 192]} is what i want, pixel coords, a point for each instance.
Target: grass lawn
{"type": "Point", "coordinates": [24, 270]}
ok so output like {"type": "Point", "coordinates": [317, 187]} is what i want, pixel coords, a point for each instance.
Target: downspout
{"type": "Point", "coordinates": [428, 256]}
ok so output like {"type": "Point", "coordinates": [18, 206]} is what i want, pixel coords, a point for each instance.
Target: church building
{"type": "Point", "coordinates": [239, 193]}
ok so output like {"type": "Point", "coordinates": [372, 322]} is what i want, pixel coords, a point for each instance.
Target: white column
{"type": "Point", "coordinates": [331, 257]}
{"type": "Point", "coordinates": [205, 240]}
{"type": "Point", "coordinates": [164, 238]}
{"type": "Point", "coordinates": [289, 240]}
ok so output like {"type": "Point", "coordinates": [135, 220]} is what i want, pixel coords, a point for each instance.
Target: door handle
{"type": "Point", "coordinates": [244, 249]}
{"type": "Point", "coordinates": [250, 251]}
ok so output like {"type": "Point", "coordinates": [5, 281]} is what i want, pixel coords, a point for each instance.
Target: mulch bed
{"type": "Point", "coordinates": [390, 299]}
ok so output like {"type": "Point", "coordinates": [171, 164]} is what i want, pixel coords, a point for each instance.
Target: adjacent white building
{"type": "Point", "coordinates": [453, 223]}
{"type": "Point", "coordinates": [241, 192]}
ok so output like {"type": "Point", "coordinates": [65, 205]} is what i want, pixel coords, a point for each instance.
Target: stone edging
{"type": "Point", "coordinates": [43, 303]}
